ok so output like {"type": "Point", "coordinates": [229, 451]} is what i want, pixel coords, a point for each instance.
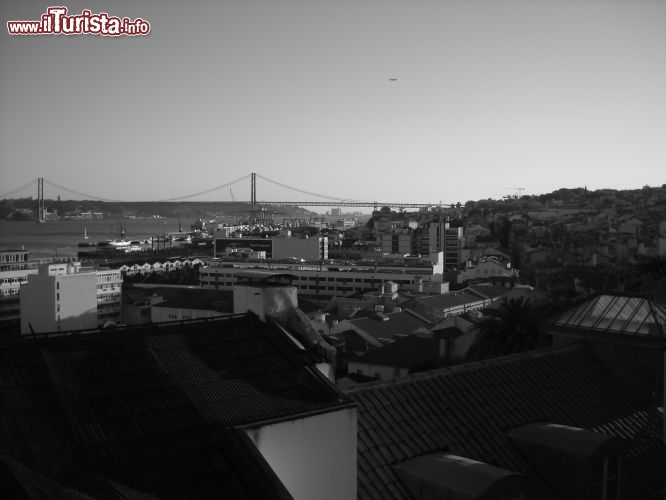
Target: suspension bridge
{"type": "Point", "coordinates": [253, 189]}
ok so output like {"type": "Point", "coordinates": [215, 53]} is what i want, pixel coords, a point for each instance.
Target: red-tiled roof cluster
{"type": "Point", "coordinates": [467, 410]}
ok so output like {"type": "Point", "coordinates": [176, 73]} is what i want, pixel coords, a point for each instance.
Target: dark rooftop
{"type": "Point", "coordinates": [452, 299]}
{"type": "Point", "coordinates": [185, 297]}
{"type": "Point", "coordinates": [388, 325]}
{"type": "Point", "coordinates": [468, 410]}
{"type": "Point", "coordinates": [152, 409]}
{"type": "Point", "coordinates": [404, 352]}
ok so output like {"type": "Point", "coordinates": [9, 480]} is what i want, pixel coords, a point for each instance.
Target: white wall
{"type": "Point", "coordinates": [76, 294]}
{"type": "Point", "coordinates": [272, 301]}
{"type": "Point", "coordinates": [315, 456]}
{"type": "Point", "coordinates": [78, 301]}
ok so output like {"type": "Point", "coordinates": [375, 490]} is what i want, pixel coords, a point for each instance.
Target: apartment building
{"type": "Point", "coordinates": [66, 296]}
{"type": "Point", "coordinates": [15, 267]}
{"type": "Point", "coordinates": [444, 238]}
{"type": "Point", "coordinates": [396, 242]}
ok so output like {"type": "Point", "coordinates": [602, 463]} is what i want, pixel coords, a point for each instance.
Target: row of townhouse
{"type": "Point", "coordinates": [143, 268]}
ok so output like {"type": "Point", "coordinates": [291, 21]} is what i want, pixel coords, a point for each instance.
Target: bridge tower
{"type": "Point", "coordinates": [253, 199]}
{"type": "Point", "coordinates": [41, 209]}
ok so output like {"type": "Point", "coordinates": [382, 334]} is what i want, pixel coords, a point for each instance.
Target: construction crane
{"type": "Point", "coordinates": [518, 190]}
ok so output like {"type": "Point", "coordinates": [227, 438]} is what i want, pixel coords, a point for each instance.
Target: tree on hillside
{"type": "Point", "coordinates": [512, 327]}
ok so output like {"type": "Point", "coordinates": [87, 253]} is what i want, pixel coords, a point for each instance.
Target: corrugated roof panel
{"type": "Point", "coordinates": [617, 314]}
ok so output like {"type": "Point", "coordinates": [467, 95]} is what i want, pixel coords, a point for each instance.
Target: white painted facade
{"type": "Point", "coordinates": [63, 296]}
{"type": "Point", "coordinates": [314, 456]}
{"type": "Point", "coordinates": [59, 298]}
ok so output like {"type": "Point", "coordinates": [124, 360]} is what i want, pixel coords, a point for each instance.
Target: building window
{"type": "Point", "coordinates": [606, 479]}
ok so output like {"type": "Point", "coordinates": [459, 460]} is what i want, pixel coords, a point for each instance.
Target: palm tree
{"type": "Point", "coordinates": [513, 326]}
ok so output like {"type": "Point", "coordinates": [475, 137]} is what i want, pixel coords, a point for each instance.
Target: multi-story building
{"type": "Point", "coordinates": [331, 277]}
{"type": "Point", "coordinates": [444, 238]}
{"type": "Point", "coordinates": [59, 297]}
{"type": "Point", "coordinates": [109, 291]}
{"type": "Point", "coordinates": [396, 242]}
{"type": "Point", "coordinates": [15, 267]}
{"type": "Point", "coordinates": [13, 260]}
{"type": "Point", "coordinates": [66, 296]}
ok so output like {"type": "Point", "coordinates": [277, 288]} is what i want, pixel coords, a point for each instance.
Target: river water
{"type": "Point", "coordinates": [61, 238]}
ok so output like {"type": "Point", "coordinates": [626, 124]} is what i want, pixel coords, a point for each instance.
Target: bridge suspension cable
{"type": "Point", "coordinates": [309, 193]}
{"type": "Point", "coordinates": [14, 191]}
{"type": "Point", "coordinates": [221, 186]}
{"type": "Point", "coordinates": [78, 193]}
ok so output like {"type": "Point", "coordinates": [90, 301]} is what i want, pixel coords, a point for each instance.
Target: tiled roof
{"type": "Point", "coordinates": [402, 322]}
{"type": "Point", "coordinates": [452, 299]}
{"type": "Point", "coordinates": [489, 291]}
{"type": "Point", "coordinates": [153, 408]}
{"type": "Point", "coordinates": [617, 314]}
{"type": "Point", "coordinates": [467, 410]}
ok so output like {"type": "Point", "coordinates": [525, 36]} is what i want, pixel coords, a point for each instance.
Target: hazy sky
{"type": "Point", "coordinates": [490, 95]}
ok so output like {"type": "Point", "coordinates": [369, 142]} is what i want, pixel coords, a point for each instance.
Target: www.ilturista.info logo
{"type": "Point", "coordinates": [56, 22]}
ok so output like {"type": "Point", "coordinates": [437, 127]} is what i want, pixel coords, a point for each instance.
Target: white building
{"type": "Point", "coordinates": [59, 297]}
{"type": "Point", "coordinates": [64, 296]}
